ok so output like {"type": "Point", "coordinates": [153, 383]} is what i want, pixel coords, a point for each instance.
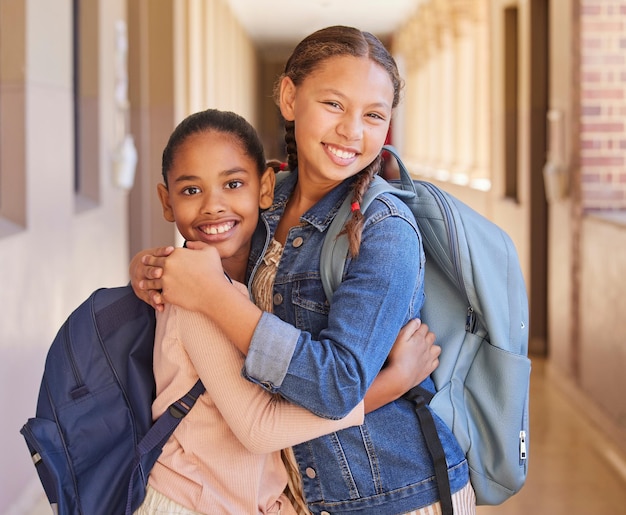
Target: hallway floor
{"type": "Point", "coordinates": [573, 470]}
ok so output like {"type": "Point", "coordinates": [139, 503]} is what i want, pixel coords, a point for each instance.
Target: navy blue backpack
{"type": "Point", "coordinates": [93, 441]}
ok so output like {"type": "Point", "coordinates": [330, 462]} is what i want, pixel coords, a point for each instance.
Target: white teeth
{"type": "Point", "coordinates": [341, 153]}
{"type": "Point", "coordinates": [218, 229]}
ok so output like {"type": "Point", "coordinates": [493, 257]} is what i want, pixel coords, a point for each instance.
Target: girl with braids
{"type": "Point", "coordinates": [337, 95]}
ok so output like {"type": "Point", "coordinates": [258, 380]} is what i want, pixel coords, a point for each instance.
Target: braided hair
{"type": "Point", "coordinates": [306, 58]}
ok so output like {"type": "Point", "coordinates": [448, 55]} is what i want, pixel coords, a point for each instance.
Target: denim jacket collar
{"type": "Point", "coordinates": [321, 214]}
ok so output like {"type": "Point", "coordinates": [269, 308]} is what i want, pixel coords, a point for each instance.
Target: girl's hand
{"type": "Point", "coordinates": [145, 278]}
{"type": "Point", "coordinates": [190, 277]}
{"type": "Point", "coordinates": [413, 357]}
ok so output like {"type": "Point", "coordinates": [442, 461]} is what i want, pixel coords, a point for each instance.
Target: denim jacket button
{"type": "Point", "coordinates": [278, 299]}
{"type": "Point", "coordinates": [310, 473]}
{"type": "Point", "coordinates": [298, 242]}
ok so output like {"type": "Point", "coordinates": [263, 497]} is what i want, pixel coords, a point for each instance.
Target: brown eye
{"type": "Point", "coordinates": [191, 190]}
{"type": "Point", "coordinates": [233, 185]}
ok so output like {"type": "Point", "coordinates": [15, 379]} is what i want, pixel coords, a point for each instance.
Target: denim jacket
{"type": "Point", "coordinates": [325, 358]}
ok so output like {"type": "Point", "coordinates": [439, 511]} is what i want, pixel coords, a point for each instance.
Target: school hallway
{"type": "Point", "coordinates": [573, 468]}
{"type": "Point", "coordinates": [516, 107]}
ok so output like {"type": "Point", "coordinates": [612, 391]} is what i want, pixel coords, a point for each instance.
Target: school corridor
{"type": "Point", "coordinates": [516, 107]}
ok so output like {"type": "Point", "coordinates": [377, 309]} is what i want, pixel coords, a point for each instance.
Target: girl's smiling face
{"type": "Point", "coordinates": [342, 113]}
{"type": "Point", "coordinates": [214, 193]}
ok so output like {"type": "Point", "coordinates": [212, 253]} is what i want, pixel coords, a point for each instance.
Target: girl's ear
{"type": "Point", "coordinates": [266, 192]}
{"type": "Point", "coordinates": [164, 196]}
{"type": "Point", "coordinates": [287, 98]}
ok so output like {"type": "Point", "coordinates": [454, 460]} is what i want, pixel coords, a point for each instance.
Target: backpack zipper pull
{"type": "Point", "coordinates": [470, 320]}
{"type": "Point", "coordinates": [522, 445]}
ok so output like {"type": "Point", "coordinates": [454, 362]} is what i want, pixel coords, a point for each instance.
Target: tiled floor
{"type": "Point", "coordinates": [573, 470]}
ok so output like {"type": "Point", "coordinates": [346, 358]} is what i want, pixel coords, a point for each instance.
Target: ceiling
{"type": "Point", "coordinates": [276, 26]}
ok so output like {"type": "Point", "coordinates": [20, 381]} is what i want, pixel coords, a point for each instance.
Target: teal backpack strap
{"type": "Point", "coordinates": [335, 247]}
{"type": "Point", "coordinates": [406, 182]}
{"type": "Point", "coordinates": [334, 251]}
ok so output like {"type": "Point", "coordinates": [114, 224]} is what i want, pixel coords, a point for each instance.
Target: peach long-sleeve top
{"type": "Point", "coordinates": [224, 456]}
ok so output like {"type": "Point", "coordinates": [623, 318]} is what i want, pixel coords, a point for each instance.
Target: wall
{"type": "Point", "coordinates": [603, 325]}
{"type": "Point", "coordinates": [603, 104]}
{"type": "Point", "coordinates": [586, 269]}
{"type": "Point", "coordinates": [63, 248]}
{"type": "Point", "coordinates": [270, 122]}
{"type": "Point", "coordinates": [601, 140]}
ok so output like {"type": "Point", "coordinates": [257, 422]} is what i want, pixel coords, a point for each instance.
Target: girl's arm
{"type": "Point", "coordinates": [266, 422]}
{"type": "Point", "coordinates": [195, 280]}
{"type": "Point", "coordinates": [413, 357]}
{"type": "Point", "coordinates": [263, 422]}
{"type": "Point", "coordinates": [328, 376]}
{"type": "Point", "coordinates": [381, 290]}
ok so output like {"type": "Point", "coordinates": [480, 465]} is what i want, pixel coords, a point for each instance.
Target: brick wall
{"type": "Point", "coordinates": [603, 104]}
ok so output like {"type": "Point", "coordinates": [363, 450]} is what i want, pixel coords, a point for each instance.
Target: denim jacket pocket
{"type": "Point", "coordinates": [310, 308]}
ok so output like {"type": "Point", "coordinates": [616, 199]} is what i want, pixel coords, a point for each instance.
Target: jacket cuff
{"type": "Point", "coordinates": [272, 346]}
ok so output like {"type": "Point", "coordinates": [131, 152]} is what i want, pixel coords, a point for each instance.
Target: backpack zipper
{"type": "Point", "coordinates": [522, 446]}
{"type": "Point", "coordinates": [80, 389]}
{"type": "Point", "coordinates": [470, 320]}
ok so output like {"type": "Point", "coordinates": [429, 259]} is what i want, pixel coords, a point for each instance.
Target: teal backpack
{"type": "Point", "coordinates": [476, 304]}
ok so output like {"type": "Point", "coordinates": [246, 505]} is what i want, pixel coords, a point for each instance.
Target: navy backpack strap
{"type": "Point", "coordinates": [149, 448]}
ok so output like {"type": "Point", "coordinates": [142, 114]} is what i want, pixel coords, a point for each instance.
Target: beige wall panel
{"type": "Point", "coordinates": [561, 319]}
{"type": "Point", "coordinates": [12, 41]}
{"type": "Point", "coordinates": [12, 158]}
{"type": "Point", "coordinates": [211, 50]}
{"type": "Point", "coordinates": [13, 23]}
{"type": "Point", "coordinates": [603, 324]}
{"type": "Point", "coordinates": [50, 19]}
{"type": "Point", "coordinates": [195, 56]}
